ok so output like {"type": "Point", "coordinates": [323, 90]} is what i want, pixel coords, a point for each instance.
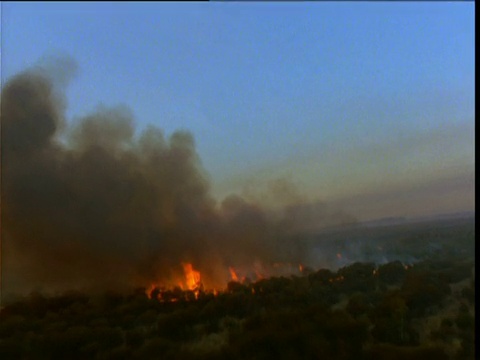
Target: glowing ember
{"type": "Point", "coordinates": [338, 278]}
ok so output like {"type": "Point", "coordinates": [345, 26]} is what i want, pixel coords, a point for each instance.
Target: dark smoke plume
{"type": "Point", "coordinates": [104, 208]}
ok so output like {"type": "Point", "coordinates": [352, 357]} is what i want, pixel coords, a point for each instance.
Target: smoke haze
{"type": "Point", "coordinates": [94, 206]}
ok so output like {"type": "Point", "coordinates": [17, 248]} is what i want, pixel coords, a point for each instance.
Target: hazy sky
{"type": "Point", "coordinates": [366, 105]}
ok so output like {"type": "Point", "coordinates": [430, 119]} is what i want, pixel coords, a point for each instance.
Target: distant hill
{"type": "Point", "coordinates": [389, 221]}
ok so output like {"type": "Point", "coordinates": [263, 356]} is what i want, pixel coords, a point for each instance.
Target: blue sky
{"type": "Point", "coordinates": [368, 106]}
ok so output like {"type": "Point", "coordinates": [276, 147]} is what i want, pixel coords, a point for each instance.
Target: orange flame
{"type": "Point", "coordinates": [191, 281]}
{"type": "Point", "coordinates": [192, 277]}
{"type": "Point", "coordinates": [233, 274]}
{"type": "Point", "coordinates": [148, 291]}
{"type": "Point", "coordinates": [259, 275]}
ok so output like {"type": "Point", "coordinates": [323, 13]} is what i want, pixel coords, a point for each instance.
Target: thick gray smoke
{"type": "Point", "coordinates": [104, 208]}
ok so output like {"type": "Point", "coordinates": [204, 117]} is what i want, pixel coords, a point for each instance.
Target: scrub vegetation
{"type": "Point", "coordinates": [362, 310]}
